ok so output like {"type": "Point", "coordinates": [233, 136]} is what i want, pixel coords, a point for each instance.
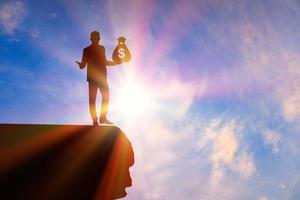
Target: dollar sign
{"type": "Point", "coordinates": [121, 52]}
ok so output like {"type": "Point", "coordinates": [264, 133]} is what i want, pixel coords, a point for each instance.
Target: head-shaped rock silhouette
{"type": "Point", "coordinates": [65, 162]}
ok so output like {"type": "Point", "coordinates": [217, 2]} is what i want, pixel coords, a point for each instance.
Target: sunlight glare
{"type": "Point", "coordinates": [134, 101]}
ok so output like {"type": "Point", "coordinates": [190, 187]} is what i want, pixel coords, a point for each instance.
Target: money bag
{"type": "Point", "coordinates": [121, 53]}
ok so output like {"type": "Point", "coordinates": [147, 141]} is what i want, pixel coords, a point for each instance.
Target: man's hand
{"type": "Point", "coordinates": [111, 63]}
{"type": "Point", "coordinates": [81, 66]}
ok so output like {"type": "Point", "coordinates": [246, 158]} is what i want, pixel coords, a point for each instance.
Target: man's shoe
{"type": "Point", "coordinates": [105, 121]}
{"type": "Point", "coordinates": [95, 123]}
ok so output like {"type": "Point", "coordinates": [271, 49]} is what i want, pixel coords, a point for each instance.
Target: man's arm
{"type": "Point", "coordinates": [83, 62]}
{"type": "Point", "coordinates": [110, 63]}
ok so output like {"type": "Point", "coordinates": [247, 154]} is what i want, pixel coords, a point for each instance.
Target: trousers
{"type": "Point", "coordinates": [104, 90]}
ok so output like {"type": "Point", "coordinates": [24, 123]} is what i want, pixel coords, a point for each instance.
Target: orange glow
{"type": "Point", "coordinates": [13, 154]}
{"type": "Point", "coordinates": [119, 159]}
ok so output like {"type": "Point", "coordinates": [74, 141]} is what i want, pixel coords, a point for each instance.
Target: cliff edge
{"type": "Point", "coordinates": [64, 162]}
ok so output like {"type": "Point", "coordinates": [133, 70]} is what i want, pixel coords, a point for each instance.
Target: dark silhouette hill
{"type": "Point", "coordinates": [64, 162]}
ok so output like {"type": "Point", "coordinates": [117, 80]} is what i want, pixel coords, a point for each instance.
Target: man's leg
{"type": "Point", "coordinates": [105, 101]}
{"type": "Point", "coordinates": [92, 101]}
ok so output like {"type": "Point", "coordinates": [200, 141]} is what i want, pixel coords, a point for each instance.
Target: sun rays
{"type": "Point", "coordinates": [133, 100]}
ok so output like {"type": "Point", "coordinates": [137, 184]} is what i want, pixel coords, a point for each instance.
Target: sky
{"type": "Point", "coordinates": [210, 100]}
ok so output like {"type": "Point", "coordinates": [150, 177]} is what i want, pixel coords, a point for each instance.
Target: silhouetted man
{"type": "Point", "coordinates": [95, 59]}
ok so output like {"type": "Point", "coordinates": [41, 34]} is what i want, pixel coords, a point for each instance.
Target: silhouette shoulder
{"type": "Point", "coordinates": [86, 48]}
{"type": "Point", "coordinates": [102, 47]}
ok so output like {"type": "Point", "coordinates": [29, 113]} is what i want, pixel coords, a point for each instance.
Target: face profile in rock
{"type": "Point", "coordinates": [116, 177]}
{"type": "Point", "coordinates": [74, 162]}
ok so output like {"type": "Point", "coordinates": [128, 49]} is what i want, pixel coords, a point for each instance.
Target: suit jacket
{"type": "Point", "coordinates": [94, 56]}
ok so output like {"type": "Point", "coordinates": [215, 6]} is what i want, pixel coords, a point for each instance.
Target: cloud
{"type": "Point", "coordinates": [155, 142]}
{"type": "Point", "coordinates": [266, 59]}
{"type": "Point", "coordinates": [244, 165]}
{"type": "Point", "coordinates": [291, 107]}
{"type": "Point", "coordinates": [262, 198]}
{"type": "Point", "coordinates": [272, 64]}
{"type": "Point", "coordinates": [167, 165]}
{"type": "Point", "coordinates": [282, 186]}
{"type": "Point", "coordinates": [11, 15]}
{"type": "Point", "coordinates": [272, 138]}
{"type": "Point", "coordinates": [226, 152]}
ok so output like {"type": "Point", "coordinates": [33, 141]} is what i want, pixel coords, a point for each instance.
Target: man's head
{"type": "Point", "coordinates": [95, 37]}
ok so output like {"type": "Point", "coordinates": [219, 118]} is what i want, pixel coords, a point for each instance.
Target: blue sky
{"type": "Point", "coordinates": [218, 115]}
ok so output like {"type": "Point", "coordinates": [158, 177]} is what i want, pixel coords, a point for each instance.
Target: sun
{"type": "Point", "coordinates": [134, 100]}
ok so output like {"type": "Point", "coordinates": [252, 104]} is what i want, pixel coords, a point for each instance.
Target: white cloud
{"type": "Point", "coordinates": [244, 165]}
{"type": "Point", "coordinates": [275, 69]}
{"type": "Point", "coordinates": [262, 198]}
{"type": "Point", "coordinates": [11, 15]}
{"type": "Point", "coordinates": [226, 152]}
{"type": "Point", "coordinates": [291, 107]}
{"type": "Point", "coordinates": [282, 186]}
{"type": "Point", "coordinates": [272, 138]}
{"type": "Point", "coordinates": [269, 62]}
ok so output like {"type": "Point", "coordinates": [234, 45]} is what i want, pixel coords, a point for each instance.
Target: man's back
{"type": "Point", "coordinates": [94, 55]}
